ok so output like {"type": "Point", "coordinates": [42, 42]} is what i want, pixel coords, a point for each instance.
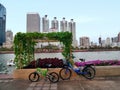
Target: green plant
{"type": "Point", "coordinates": [24, 45]}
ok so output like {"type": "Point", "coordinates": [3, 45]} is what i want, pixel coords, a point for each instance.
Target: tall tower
{"type": "Point", "coordinates": [54, 24]}
{"type": "Point", "coordinates": [108, 42]}
{"type": "Point", "coordinates": [100, 41]}
{"type": "Point", "coordinates": [33, 22]}
{"type": "Point", "coordinates": [2, 24]}
{"type": "Point", "coordinates": [45, 24]}
{"type": "Point", "coordinates": [9, 35]}
{"type": "Point", "coordinates": [72, 28]}
{"type": "Point", "coordinates": [119, 37]}
{"type": "Point", "coordinates": [84, 42]}
{"type": "Point", "coordinates": [63, 25]}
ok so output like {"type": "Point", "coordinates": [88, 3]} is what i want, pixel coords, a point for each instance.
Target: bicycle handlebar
{"type": "Point", "coordinates": [81, 59]}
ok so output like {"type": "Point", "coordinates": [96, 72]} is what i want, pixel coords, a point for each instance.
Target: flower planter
{"type": "Point", "coordinates": [104, 71]}
{"type": "Point", "coordinates": [107, 70]}
{"type": "Point", "coordinates": [22, 73]}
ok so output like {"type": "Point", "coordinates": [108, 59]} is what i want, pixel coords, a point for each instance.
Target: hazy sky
{"type": "Point", "coordinates": [93, 18]}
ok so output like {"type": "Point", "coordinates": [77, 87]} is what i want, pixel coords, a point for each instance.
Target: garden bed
{"type": "Point", "coordinates": [24, 73]}
{"type": "Point", "coordinates": [42, 63]}
{"type": "Point", "coordinates": [107, 71]}
{"type": "Point", "coordinates": [101, 71]}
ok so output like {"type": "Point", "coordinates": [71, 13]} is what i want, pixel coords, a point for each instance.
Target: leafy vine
{"type": "Point", "coordinates": [24, 45]}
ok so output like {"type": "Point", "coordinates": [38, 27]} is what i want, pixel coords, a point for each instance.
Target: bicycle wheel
{"type": "Point", "coordinates": [53, 77]}
{"type": "Point", "coordinates": [65, 73]}
{"type": "Point", "coordinates": [34, 77]}
{"type": "Point", "coordinates": [89, 72]}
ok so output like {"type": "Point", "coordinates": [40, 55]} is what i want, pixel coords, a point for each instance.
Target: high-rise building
{"type": "Point", "coordinates": [100, 41]}
{"type": "Point", "coordinates": [63, 25]}
{"type": "Point", "coordinates": [119, 37]}
{"type": "Point", "coordinates": [9, 35]}
{"type": "Point", "coordinates": [9, 39]}
{"type": "Point", "coordinates": [114, 41]}
{"type": "Point", "coordinates": [118, 42]}
{"type": "Point", "coordinates": [72, 28]}
{"type": "Point", "coordinates": [33, 22]}
{"type": "Point", "coordinates": [55, 24]}
{"type": "Point", "coordinates": [45, 24]}
{"type": "Point", "coordinates": [108, 42]}
{"type": "Point", "coordinates": [2, 24]}
{"type": "Point", "coordinates": [84, 42]}
{"type": "Point", "coordinates": [103, 43]}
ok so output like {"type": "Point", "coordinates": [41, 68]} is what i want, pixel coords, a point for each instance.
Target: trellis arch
{"type": "Point", "coordinates": [24, 45]}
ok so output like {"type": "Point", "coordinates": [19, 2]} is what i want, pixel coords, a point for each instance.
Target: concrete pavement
{"type": "Point", "coordinates": [98, 83]}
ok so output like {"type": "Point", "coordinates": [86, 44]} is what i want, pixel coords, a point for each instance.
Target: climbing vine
{"type": "Point", "coordinates": [24, 45]}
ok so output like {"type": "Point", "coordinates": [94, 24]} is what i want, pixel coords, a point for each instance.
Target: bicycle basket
{"type": "Point", "coordinates": [44, 72]}
{"type": "Point", "coordinates": [38, 69]}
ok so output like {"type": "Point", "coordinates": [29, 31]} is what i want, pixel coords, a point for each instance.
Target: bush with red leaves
{"type": "Point", "coordinates": [42, 63]}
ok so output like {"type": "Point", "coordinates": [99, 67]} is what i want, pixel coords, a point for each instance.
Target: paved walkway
{"type": "Point", "coordinates": [98, 83]}
{"type": "Point", "coordinates": [42, 85]}
{"type": "Point", "coordinates": [6, 80]}
{"type": "Point", "coordinates": [6, 76]}
{"type": "Point", "coordinates": [8, 83]}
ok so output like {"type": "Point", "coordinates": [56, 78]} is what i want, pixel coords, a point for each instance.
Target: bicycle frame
{"type": "Point", "coordinates": [76, 70]}
{"type": "Point", "coordinates": [79, 69]}
{"type": "Point", "coordinates": [42, 72]}
{"type": "Point", "coordinates": [35, 76]}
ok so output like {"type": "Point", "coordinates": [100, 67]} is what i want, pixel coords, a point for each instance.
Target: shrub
{"type": "Point", "coordinates": [99, 62]}
{"type": "Point", "coordinates": [42, 63]}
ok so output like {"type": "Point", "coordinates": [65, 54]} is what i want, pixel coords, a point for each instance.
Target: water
{"type": "Point", "coordinates": [88, 56]}
{"type": "Point", "coordinates": [100, 55]}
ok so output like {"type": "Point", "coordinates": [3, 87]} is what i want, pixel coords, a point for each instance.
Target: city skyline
{"type": "Point", "coordinates": [93, 18]}
{"type": "Point", "coordinates": [34, 23]}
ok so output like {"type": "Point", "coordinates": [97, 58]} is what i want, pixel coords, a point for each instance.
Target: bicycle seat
{"type": "Point", "coordinates": [81, 59]}
{"type": "Point", "coordinates": [48, 65]}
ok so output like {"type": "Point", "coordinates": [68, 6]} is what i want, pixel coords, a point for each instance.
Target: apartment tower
{"type": "Point", "coordinates": [72, 28]}
{"type": "Point", "coordinates": [119, 37]}
{"type": "Point", "coordinates": [63, 25]}
{"type": "Point", "coordinates": [9, 35]}
{"type": "Point", "coordinates": [55, 25]}
{"type": "Point", "coordinates": [84, 42]}
{"type": "Point", "coordinates": [45, 24]}
{"type": "Point", "coordinates": [33, 22]}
